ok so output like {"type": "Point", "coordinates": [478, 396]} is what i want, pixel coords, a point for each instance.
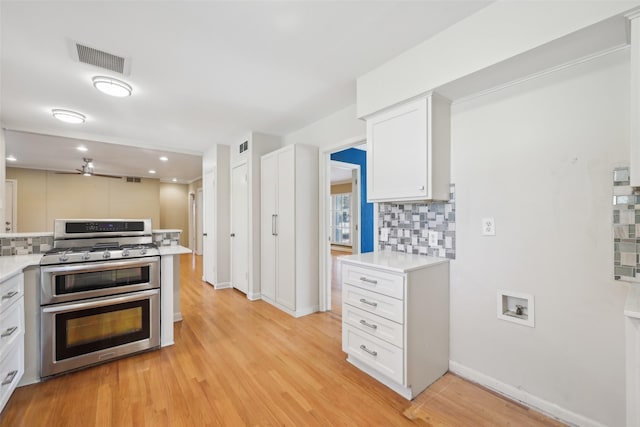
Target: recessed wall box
{"type": "Point", "coordinates": [516, 307]}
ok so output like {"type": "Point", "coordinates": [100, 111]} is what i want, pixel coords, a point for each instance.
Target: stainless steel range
{"type": "Point", "coordinates": [100, 293]}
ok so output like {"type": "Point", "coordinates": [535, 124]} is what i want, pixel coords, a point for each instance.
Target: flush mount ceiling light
{"type": "Point", "coordinates": [111, 86]}
{"type": "Point", "coordinates": [11, 158]}
{"type": "Point", "coordinates": [82, 148]}
{"type": "Point", "coordinates": [152, 171]}
{"type": "Point", "coordinates": [164, 159]}
{"type": "Point", "coordinates": [68, 116]}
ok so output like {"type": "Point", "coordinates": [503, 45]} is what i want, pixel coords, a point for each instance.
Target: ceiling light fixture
{"type": "Point", "coordinates": [164, 159]}
{"type": "Point", "coordinates": [11, 158]}
{"type": "Point", "coordinates": [111, 86]}
{"type": "Point", "coordinates": [152, 171]}
{"type": "Point", "coordinates": [68, 116]}
{"type": "Point", "coordinates": [175, 180]}
{"type": "Point", "coordinates": [82, 148]}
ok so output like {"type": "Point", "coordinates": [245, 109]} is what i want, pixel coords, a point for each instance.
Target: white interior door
{"type": "Point", "coordinates": [10, 210]}
{"type": "Point", "coordinates": [239, 228]}
{"type": "Point", "coordinates": [199, 222]}
{"type": "Point", "coordinates": [208, 235]}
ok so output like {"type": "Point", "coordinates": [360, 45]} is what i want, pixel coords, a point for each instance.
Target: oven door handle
{"type": "Point", "coordinates": [100, 266]}
{"type": "Point", "coordinates": [99, 302]}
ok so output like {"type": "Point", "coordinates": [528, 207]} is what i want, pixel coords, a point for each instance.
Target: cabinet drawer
{"type": "Point", "coordinates": [11, 290]}
{"type": "Point", "coordinates": [387, 307]}
{"type": "Point", "coordinates": [11, 326]}
{"type": "Point", "coordinates": [378, 281]}
{"type": "Point", "coordinates": [11, 371]}
{"type": "Point", "coordinates": [373, 325]}
{"type": "Point", "coordinates": [380, 355]}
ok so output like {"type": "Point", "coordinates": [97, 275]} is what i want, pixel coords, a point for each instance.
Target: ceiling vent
{"type": "Point", "coordinates": [101, 59]}
{"type": "Point", "coordinates": [133, 179]}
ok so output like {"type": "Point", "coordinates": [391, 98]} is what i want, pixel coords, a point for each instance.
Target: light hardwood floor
{"type": "Point", "coordinates": [236, 363]}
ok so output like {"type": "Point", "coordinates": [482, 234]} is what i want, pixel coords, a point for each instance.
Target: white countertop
{"type": "Point", "coordinates": [167, 230]}
{"type": "Point", "coordinates": [395, 261]}
{"type": "Point", "coordinates": [632, 304]}
{"type": "Point", "coordinates": [173, 250]}
{"type": "Point", "coordinates": [12, 265]}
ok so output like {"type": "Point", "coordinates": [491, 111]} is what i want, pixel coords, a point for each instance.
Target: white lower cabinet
{"type": "Point", "coordinates": [11, 336]}
{"type": "Point", "coordinates": [395, 318]}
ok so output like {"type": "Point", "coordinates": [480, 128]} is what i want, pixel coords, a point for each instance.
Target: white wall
{"type": "Point", "coordinates": [538, 157]}
{"type": "Point", "coordinates": [494, 34]}
{"type": "Point", "coordinates": [331, 130]}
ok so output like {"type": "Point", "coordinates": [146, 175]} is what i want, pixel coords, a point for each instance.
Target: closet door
{"type": "Point", "coordinates": [268, 218]}
{"type": "Point", "coordinates": [285, 241]}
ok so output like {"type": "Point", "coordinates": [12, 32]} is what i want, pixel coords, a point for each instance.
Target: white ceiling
{"type": "Point", "coordinates": [201, 71]}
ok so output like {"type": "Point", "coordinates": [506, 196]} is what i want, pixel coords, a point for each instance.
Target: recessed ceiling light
{"type": "Point", "coordinates": [68, 116]}
{"type": "Point", "coordinates": [82, 148]}
{"type": "Point", "coordinates": [175, 180]}
{"type": "Point", "coordinates": [152, 171]}
{"type": "Point", "coordinates": [11, 158]}
{"type": "Point", "coordinates": [111, 86]}
{"type": "Point", "coordinates": [164, 159]}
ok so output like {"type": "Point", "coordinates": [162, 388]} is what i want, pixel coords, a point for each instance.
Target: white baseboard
{"type": "Point", "coordinates": [548, 408]}
{"type": "Point", "coordinates": [223, 285]}
{"type": "Point", "coordinates": [254, 296]}
{"type": "Point", "coordinates": [177, 316]}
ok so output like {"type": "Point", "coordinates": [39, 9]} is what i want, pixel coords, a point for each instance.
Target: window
{"type": "Point", "coordinates": [341, 219]}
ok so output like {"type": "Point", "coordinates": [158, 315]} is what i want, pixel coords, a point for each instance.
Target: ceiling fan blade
{"type": "Point", "coordinates": [106, 176]}
{"type": "Point", "coordinates": [68, 173]}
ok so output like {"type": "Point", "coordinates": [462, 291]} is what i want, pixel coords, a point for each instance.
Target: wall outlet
{"type": "Point", "coordinates": [433, 238]}
{"type": "Point", "coordinates": [488, 227]}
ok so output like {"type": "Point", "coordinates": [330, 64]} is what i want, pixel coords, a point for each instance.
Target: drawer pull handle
{"type": "Point", "coordinates": [9, 378]}
{"type": "Point", "coordinates": [9, 332]}
{"type": "Point", "coordinates": [368, 325]}
{"type": "Point", "coordinates": [372, 304]}
{"type": "Point", "coordinates": [371, 352]}
{"type": "Point", "coordinates": [10, 295]}
{"type": "Point", "coordinates": [364, 279]}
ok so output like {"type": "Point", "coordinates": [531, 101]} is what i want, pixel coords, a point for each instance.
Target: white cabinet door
{"type": "Point", "coordinates": [408, 151]}
{"type": "Point", "coordinates": [397, 153]}
{"type": "Point", "coordinates": [285, 230]}
{"type": "Point", "coordinates": [634, 25]}
{"type": "Point", "coordinates": [268, 212]}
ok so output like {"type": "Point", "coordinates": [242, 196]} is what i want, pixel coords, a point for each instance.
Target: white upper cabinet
{"type": "Point", "coordinates": [634, 21]}
{"type": "Point", "coordinates": [408, 151]}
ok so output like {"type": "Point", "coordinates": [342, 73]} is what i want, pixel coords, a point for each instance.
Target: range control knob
{"type": "Point", "coordinates": [86, 255]}
{"type": "Point", "coordinates": [106, 254]}
{"type": "Point", "coordinates": [143, 251]}
{"type": "Point", "coordinates": [63, 258]}
{"type": "Point", "coordinates": [125, 252]}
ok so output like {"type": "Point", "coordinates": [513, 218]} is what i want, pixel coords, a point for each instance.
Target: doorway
{"type": "Point", "coordinates": [353, 152]}
{"type": "Point", "coordinates": [239, 228]}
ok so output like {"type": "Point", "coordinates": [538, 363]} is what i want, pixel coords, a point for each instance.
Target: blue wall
{"type": "Point", "coordinates": [359, 157]}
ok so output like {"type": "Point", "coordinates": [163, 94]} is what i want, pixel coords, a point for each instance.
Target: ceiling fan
{"type": "Point", "coordinates": [87, 170]}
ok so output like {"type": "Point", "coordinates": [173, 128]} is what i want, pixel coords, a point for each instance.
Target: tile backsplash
{"type": "Point", "coordinates": [626, 228]}
{"type": "Point", "coordinates": [164, 238]}
{"type": "Point", "coordinates": [405, 226]}
{"type": "Point", "coordinates": [25, 245]}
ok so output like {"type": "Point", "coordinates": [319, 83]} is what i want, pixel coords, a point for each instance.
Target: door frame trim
{"type": "Point", "coordinates": [14, 202]}
{"type": "Point", "coordinates": [324, 192]}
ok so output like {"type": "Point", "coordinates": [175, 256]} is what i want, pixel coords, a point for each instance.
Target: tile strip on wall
{"type": "Point", "coordinates": [404, 227]}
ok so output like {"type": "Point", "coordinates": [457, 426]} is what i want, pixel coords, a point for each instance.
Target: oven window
{"type": "Point", "coordinates": [86, 331]}
{"type": "Point", "coordinates": [79, 282]}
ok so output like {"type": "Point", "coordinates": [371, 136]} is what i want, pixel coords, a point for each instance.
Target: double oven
{"type": "Point", "coordinates": [100, 294]}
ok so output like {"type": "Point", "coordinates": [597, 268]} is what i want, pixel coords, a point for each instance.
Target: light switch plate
{"type": "Point", "coordinates": [433, 238]}
{"type": "Point", "coordinates": [488, 227]}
